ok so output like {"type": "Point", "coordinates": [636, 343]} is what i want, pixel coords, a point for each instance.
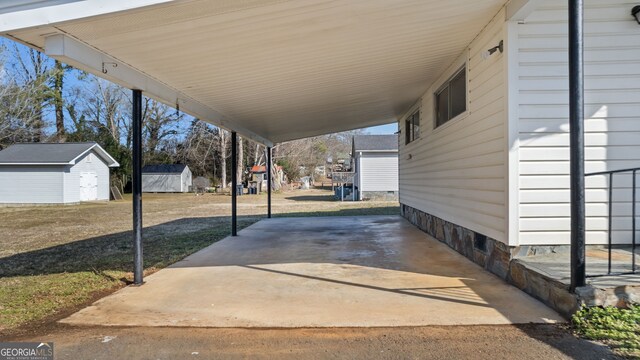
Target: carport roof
{"type": "Point", "coordinates": [375, 143]}
{"type": "Point", "coordinates": [272, 70]}
{"type": "Point", "coordinates": [164, 168]}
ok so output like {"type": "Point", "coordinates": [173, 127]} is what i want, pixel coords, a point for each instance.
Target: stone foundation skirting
{"type": "Point", "coordinates": [489, 253]}
{"type": "Point", "coordinates": [496, 257]}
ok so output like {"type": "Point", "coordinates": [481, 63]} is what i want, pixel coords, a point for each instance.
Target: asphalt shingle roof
{"type": "Point", "coordinates": [375, 142]}
{"type": "Point", "coordinates": [43, 153]}
{"type": "Point", "coordinates": [164, 168]}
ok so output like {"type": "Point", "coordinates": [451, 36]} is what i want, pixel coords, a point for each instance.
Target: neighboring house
{"type": "Point", "coordinates": [375, 163]}
{"type": "Point", "coordinates": [484, 155]}
{"type": "Point", "coordinates": [259, 174]}
{"type": "Point", "coordinates": [64, 173]}
{"type": "Point", "coordinates": [172, 178]}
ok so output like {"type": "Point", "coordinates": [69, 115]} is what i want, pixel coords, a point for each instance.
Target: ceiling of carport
{"type": "Point", "coordinates": [287, 69]}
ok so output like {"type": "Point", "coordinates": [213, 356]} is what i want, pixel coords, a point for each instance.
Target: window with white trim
{"type": "Point", "coordinates": [451, 98]}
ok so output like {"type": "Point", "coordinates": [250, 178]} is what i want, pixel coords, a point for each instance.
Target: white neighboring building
{"type": "Point", "coordinates": [375, 162]}
{"type": "Point", "coordinates": [66, 173]}
{"type": "Point", "coordinates": [167, 178]}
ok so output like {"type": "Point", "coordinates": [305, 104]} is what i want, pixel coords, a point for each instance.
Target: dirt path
{"type": "Point", "coordinates": [448, 342]}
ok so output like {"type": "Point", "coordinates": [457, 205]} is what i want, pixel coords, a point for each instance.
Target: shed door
{"type": "Point", "coordinates": [88, 186]}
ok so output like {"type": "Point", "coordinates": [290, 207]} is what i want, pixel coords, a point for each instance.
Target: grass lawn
{"type": "Point", "coordinates": [618, 328]}
{"type": "Point", "coordinates": [58, 258]}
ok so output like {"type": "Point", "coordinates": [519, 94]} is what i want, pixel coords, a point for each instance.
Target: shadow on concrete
{"type": "Point", "coordinates": [471, 300]}
{"type": "Point", "coordinates": [329, 198]}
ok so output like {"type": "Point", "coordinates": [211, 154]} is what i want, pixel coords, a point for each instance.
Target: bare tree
{"type": "Point", "coordinates": [223, 157]}
{"type": "Point", "coordinates": [240, 167]}
{"type": "Point", "coordinates": [31, 73]}
{"type": "Point", "coordinates": [199, 148]}
{"type": "Point", "coordinates": [57, 97]}
{"type": "Point", "coordinates": [160, 122]}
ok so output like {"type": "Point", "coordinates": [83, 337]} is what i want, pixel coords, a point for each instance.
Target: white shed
{"type": "Point", "coordinates": [65, 173]}
{"type": "Point", "coordinates": [375, 162]}
{"type": "Point", "coordinates": [166, 178]}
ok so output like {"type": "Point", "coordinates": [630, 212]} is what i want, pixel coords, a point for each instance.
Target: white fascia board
{"type": "Point", "coordinates": [42, 13]}
{"type": "Point", "coordinates": [105, 155]}
{"type": "Point", "coordinates": [383, 151]}
{"type": "Point", "coordinates": [518, 10]}
{"type": "Point", "coordinates": [84, 57]}
{"type": "Point", "coordinates": [36, 163]}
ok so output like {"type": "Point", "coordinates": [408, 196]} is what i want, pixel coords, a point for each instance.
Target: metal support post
{"type": "Point", "coordinates": [269, 182]}
{"type": "Point", "coordinates": [576, 139]}
{"type": "Point", "coordinates": [234, 184]}
{"type": "Point", "coordinates": [136, 118]}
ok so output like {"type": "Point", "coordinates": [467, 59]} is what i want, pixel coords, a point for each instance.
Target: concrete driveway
{"type": "Point", "coordinates": [320, 272]}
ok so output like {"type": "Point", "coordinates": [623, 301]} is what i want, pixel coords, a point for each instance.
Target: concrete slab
{"type": "Point", "coordinates": [556, 266]}
{"type": "Point", "coordinates": [320, 272]}
{"type": "Point", "coordinates": [603, 290]}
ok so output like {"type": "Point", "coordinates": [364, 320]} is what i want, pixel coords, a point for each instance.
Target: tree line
{"type": "Point", "coordinates": [44, 100]}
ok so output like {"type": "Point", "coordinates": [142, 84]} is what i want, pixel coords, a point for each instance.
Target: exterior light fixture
{"type": "Point", "coordinates": [489, 52]}
{"type": "Point", "coordinates": [635, 12]}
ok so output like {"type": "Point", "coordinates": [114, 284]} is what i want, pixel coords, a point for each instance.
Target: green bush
{"type": "Point", "coordinates": [618, 328]}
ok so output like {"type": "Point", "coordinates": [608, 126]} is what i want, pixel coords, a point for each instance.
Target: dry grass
{"type": "Point", "coordinates": [55, 258]}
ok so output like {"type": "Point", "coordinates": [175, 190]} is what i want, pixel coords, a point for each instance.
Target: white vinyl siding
{"type": "Point", "coordinates": [457, 172]}
{"type": "Point", "coordinates": [31, 184]}
{"type": "Point", "coordinates": [612, 119]}
{"type": "Point", "coordinates": [378, 171]}
{"type": "Point", "coordinates": [72, 173]}
{"type": "Point", "coordinates": [163, 182]}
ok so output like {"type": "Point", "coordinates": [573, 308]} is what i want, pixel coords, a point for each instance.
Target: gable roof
{"type": "Point", "coordinates": [262, 168]}
{"type": "Point", "coordinates": [164, 169]}
{"type": "Point", "coordinates": [51, 154]}
{"type": "Point", "coordinates": [375, 143]}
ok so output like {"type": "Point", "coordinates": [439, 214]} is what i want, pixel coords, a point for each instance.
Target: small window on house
{"type": "Point", "coordinates": [451, 98]}
{"type": "Point", "coordinates": [412, 127]}
{"type": "Point", "coordinates": [90, 158]}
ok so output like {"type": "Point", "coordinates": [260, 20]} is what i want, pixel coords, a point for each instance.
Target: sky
{"type": "Point", "coordinates": [383, 129]}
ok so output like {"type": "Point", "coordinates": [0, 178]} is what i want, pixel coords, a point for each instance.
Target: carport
{"type": "Point", "coordinates": [274, 71]}
{"type": "Point", "coordinates": [358, 271]}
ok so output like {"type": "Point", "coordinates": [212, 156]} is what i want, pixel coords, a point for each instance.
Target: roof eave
{"type": "Point", "coordinates": [390, 151]}
{"type": "Point", "coordinates": [111, 162]}
{"type": "Point", "coordinates": [35, 164]}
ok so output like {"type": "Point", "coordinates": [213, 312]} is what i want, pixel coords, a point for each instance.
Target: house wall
{"type": "Point", "coordinates": [612, 126]}
{"type": "Point", "coordinates": [162, 182]}
{"type": "Point", "coordinates": [31, 184]}
{"type": "Point", "coordinates": [378, 171]}
{"type": "Point", "coordinates": [86, 163]}
{"type": "Point", "coordinates": [457, 171]}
